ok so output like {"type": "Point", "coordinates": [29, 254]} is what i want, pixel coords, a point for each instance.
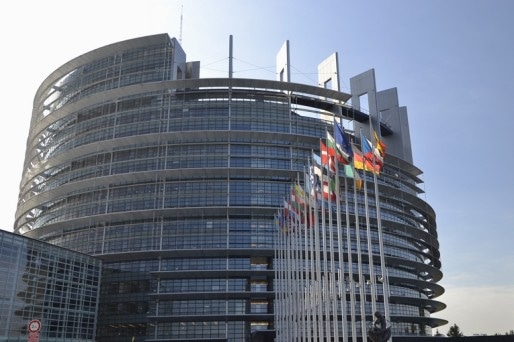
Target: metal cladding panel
{"type": "Point", "coordinates": [328, 72]}
{"type": "Point", "coordinates": [395, 117]}
{"type": "Point", "coordinates": [283, 67]}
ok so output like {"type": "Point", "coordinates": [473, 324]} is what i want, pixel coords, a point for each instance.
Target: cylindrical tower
{"type": "Point", "coordinates": [173, 181]}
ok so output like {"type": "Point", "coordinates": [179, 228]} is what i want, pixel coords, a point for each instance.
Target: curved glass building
{"type": "Point", "coordinates": [174, 180]}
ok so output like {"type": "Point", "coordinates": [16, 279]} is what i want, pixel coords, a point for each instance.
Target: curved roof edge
{"type": "Point", "coordinates": [105, 50]}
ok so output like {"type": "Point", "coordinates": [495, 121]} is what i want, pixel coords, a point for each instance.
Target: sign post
{"type": "Point", "coordinates": [33, 330]}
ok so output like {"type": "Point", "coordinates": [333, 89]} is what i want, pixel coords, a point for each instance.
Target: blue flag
{"type": "Point", "coordinates": [343, 146]}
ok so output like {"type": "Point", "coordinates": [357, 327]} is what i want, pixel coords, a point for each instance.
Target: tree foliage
{"type": "Point", "coordinates": [454, 331]}
{"type": "Point", "coordinates": [510, 332]}
{"type": "Point", "coordinates": [438, 334]}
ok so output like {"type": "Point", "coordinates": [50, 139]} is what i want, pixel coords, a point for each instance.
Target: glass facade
{"type": "Point", "coordinates": [173, 181]}
{"type": "Point", "coordinates": [58, 287]}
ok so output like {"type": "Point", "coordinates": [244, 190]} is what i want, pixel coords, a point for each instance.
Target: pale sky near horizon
{"type": "Point", "coordinates": [452, 62]}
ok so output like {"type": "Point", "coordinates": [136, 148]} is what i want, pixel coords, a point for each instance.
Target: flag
{"type": "Point", "coordinates": [380, 144]}
{"type": "Point", "coordinates": [329, 189]}
{"type": "Point", "coordinates": [294, 205]}
{"type": "Point", "coordinates": [309, 184]}
{"type": "Point", "coordinates": [315, 176]}
{"type": "Point", "coordinates": [350, 172]}
{"type": "Point", "coordinates": [335, 151]}
{"type": "Point", "coordinates": [298, 200]}
{"type": "Point", "coordinates": [343, 147]}
{"type": "Point", "coordinates": [284, 220]}
{"type": "Point", "coordinates": [379, 156]}
{"type": "Point", "coordinates": [290, 218]}
{"type": "Point", "coordinates": [286, 209]}
{"type": "Point", "coordinates": [299, 194]}
{"type": "Point", "coordinates": [293, 208]}
{"type": "Point", "coordinates": [316, 159]}
{"type": "Point", "coordinates": [310, 198]}
{"type": "Point", "coordinates": [371, 154]}
{"type": "Point", "coordinates": [327, 182]}
{"type": "Point", "coordinates": [277, 218]}
{"type": "Point", "coordinates": [362, 163]}
{"type": "Point", "coordinates": [327, 158]}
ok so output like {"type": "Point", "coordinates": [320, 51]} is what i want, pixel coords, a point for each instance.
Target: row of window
{"type": "Point", "coordinates": [198, 307]}
{"type": "Point", "coordinates": [85, 81]}
{"type": "Point", "coordinates": [137, 331]}
{"type": "Point", "coordinates": [199, 162]}
{"type": "Point", "coordinates": [202, 285]}
{"type": "Point", "coordinates": [164, 235]}
{"type": "Point", "coordinates": [146, 266]}
{"type": "Point", "coordinates": [233, 331]}
{"type": "Point", "coordinates": [173, 195]}
{"type": "Point", "coordinates": [105, 131]}
{"type": "Point", "coordinates": [242, 198]}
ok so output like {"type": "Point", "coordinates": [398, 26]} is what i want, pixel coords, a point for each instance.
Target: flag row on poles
{"type": "Point", "coordinates": [311, 286]}
{"type": "Point", "coordinates": [320, 179]}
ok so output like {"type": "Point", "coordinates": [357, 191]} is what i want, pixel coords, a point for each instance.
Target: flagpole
{"type": "Point", "coordinates": [370, 247]}
{"type": "Point", "coordinates": [276, 285]}
{"type": "Point", "coordinates": [350, 262]}
{"type": "Point", "coordinates": [289, 272]}
{"type": "Point", "coordinates": [383, 268]}
{"type": "Point", "coordinates": [306, 259]}
{"type": "Point", "coordinates": [359, 283]}
{"type": "Point", "coordinates": [342, 306]}
{"type": "Point", "coordinates": [302, 257]}
{"type": "Point", "coordinates": [298, 266]}
{"type": "Point", "coordinates": [314, 192]}
{"type": "Point", "coordinates": [324, 251]}
{"type": "Point", "coordinates": [304, 265]}
{"type": "Point", "coordinates": [297, 275]}
{"type": "Point", "coordinates": [285, 276]}
{"type": "Point", "coordinates": [340, 258]}
{"type": "Point", "coordinates": [318, 267]}
{"type": "Point", "coordinates": [331, 292]}
{"type": "Point", "coordinates": [280, 275]}
{"type": "Point", "coordinates": [341, 273]}
{"type": "Point", "coordinates": [313, 198]}
{"type": "Point", "coordinates": [294, 274]}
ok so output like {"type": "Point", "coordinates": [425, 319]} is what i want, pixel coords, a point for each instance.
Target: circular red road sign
{"type": "Point", "coordinates": [34, 326]}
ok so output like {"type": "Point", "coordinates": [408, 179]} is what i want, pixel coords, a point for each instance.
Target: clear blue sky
{"type": "Point", "coordinates": [452, 62]}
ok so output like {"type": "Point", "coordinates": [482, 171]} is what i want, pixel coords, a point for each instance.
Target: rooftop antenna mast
{"type": "Point", "coordinates": [180, 34]}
